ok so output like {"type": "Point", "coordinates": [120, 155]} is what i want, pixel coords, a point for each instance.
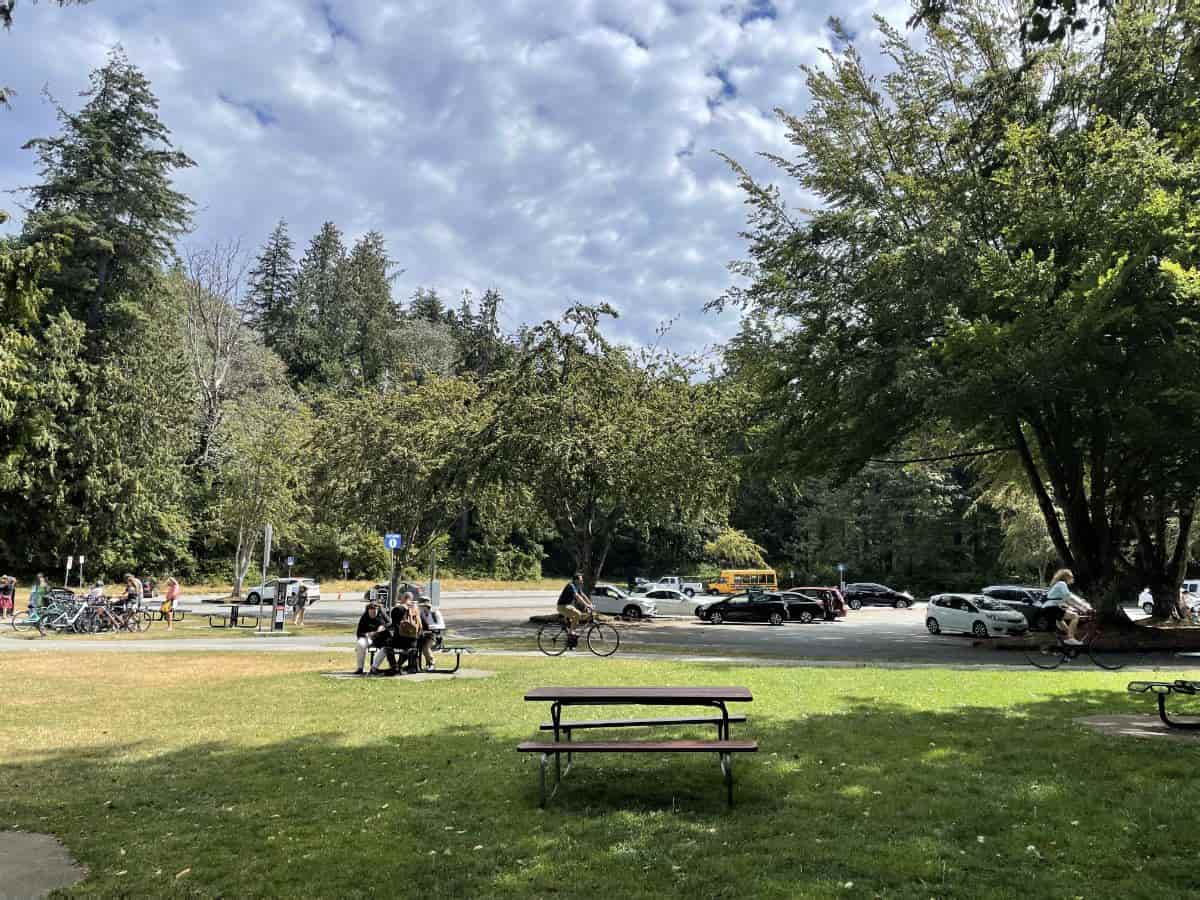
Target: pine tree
{"type": "Point", "coordinates": [315, 351]}
{"type": "Point", "coordinates": [272, 293]}
{"type": "Point", "coordinates": [368, 288]}
{"type": "Point", "coordinates": [427, 305]}
{"type": "Point", "coordinates": [106, 187]}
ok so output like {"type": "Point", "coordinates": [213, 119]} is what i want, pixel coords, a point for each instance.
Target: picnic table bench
{"type": "Point", "coordinates": [713, 697]}
{"type": "Point", "coordinates": [1162, 690]}
{"type": "Point", "coordinates": [235, 619]}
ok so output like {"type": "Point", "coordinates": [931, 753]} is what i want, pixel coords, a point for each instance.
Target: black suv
{"type": "Point", "coordinates": [1025, 600]}
{"type": "Point", "coordinates": [865, 593]}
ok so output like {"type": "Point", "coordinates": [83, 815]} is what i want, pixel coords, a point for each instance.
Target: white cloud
{"type": "Point", "coordinates": [560, 152]}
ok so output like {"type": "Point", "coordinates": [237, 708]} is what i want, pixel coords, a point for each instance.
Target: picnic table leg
{"type": "Point", "coordinates": [723, 732]}
{"type": "Point", "coordinates": [727, 769]}
{"type": "Point", "coordinates": [542, 782]}
{"type": "Point", "coordinates": [555, 717]}
{"type": "Point", "coordinates": [570, 755]}
{"type": "Point", "coordinates": [1162, 714]}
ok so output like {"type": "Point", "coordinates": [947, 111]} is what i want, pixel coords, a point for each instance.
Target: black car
{"type": "Point", "coordinates": [1027, 601]}
{"type": "Point", "coordinates": [805, 608]}
{"type": "Point", "coordinates": [865, 593]}
{"type": "Point", "coordinates": [757, 607]}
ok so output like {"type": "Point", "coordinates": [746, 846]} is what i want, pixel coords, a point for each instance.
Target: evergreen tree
{"type": "Point", "coordinates": [366, 281]}
{"type": "Point", "coordinates": [272, 294]}
{"type": "Point", "coordinates": [427, 305]}
{"type": "Point", "coordinates": [106, 186]}
{"type": "Point", "coordinates": [316, 341]}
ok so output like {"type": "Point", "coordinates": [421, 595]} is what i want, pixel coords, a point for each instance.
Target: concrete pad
{"type": "Point", "coordinates": [1139, 726]}
{"type": "Point", "coordinates": [33, 865]}
{"type": "Point", "coordinates": [419, 676]}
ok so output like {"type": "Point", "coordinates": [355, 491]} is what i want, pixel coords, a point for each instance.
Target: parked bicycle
{"type": "Point", "coordinates": [1051, 656]}
{"type": "Point", "coordinates": [555, 639]}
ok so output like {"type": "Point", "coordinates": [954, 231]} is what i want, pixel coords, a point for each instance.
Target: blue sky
{"type": "Point", "coordinates": [559, 151]}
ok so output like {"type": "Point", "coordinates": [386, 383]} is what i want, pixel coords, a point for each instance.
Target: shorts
{"type": "Point", "coordinates": [573, 614]}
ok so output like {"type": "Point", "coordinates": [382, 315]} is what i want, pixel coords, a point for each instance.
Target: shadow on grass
{"type": "Point", "coordinates": [978, 802]}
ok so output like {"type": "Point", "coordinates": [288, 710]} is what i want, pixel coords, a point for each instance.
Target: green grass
{"type": "Point", "coordinates": [255, 776]}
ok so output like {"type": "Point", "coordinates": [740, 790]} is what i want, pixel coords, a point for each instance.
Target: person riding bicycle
{"type": "Point", "coordinates": [1072, 606]}
{"type": "Point", "coordinates": [573, 603]}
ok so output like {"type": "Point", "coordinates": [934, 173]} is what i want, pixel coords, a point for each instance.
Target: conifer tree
{"type": "Point", "coordinates": [272, 294]}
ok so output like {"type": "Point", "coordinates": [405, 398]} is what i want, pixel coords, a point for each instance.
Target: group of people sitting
{"type": "Point", "coordinates": [410, 631]}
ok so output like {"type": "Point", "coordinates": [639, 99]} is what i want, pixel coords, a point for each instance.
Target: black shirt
{"type": "Point", "coordinates": [369, 624]}
{"type": "Point", "coordinates": [569, 595]}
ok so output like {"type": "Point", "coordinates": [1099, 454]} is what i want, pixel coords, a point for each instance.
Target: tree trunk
{"type": "Point", "coordinates": [242, 557]}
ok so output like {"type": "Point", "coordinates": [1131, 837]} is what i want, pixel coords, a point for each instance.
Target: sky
{"type": "Point", "coordinates": [559, 151]}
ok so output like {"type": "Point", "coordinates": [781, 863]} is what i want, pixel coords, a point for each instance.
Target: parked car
{"type": "Point", "coordinates": [865, 593]}
{"type": "Point", "coordinates": [755, 607]}
{"type": "Point", "coordinates": [265, 593]}
{"type": "Point", "coordinates": [805, 608]}
{"type": "Point", "coordinates": [974, 614]}
{"type": "Point", "coordinates": [835, 604]}
{"type": "Point", "coordinates": [612, 600]}
{"type": "Point", "coordinates": [672, 582]}
{"type": "Point", "coordinates": [670, 602]}
{"type": "Point", "coordinates": [1025, 600]}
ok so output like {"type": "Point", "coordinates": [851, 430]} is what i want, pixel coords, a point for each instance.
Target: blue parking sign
{"type": "Point", "coordinates": [393, 541]}
{"type": "Point", "coordinates": [291, 561]}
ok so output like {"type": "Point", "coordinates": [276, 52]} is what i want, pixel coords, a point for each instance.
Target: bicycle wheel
{"type": "Point", "coordinates": [23, 624]}
{"type": "Point", "coordinates": [603, 639]}
{"type": "Point", "coordinates": [1104, 658]}
{"type": "Point", "coordinates": [1048, 656]}
{"type": "Point", "coordinates": [552, 639]}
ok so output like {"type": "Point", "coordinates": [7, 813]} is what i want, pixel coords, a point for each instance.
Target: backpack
{"type": "Point", "coordinates": [410, 625]}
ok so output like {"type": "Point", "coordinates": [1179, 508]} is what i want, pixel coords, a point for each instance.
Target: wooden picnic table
{"type": "Point", "coordinates": [657, 695]}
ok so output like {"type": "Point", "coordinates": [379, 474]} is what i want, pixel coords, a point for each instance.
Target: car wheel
{"type": "Point", "coordinates": [253, 598]}
{"type": "Point", "coordinates": [775, 618]}
{"type": "Point", "coordinates": [806, 617]}
{"type": "Point", "coordinates": [632, 612]}
{"type": "Point", "coordinates": [712, 592]}
{"type": "Point", "coordinates": [979, 630]}
{"type": "Point", "coordinates": [901, 604]}
{"type": "Point", "coordinates": [932, 624]}
{"type": "Point", "coordinates": [715, 617]}
{"type": "Point", "coordinates": [689, 592]}
{"type": "Point", "coordinates": [854, 604]}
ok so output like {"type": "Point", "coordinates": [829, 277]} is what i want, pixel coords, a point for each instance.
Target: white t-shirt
{"type": "Point", "coordinates": [1145, 597]}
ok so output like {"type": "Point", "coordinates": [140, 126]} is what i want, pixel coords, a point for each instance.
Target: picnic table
{"type": "Point", "coordinates": [711, 697]}
{"type": "Point", "coordinates": [1164, 689]}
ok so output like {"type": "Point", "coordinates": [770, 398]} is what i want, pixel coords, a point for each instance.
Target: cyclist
{"type": "Point", "coordinates": [1072, 607]}
{"type": "Point", "coordinates": [573, 603]}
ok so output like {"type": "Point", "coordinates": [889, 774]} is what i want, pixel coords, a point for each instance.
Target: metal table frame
{"type": "Point", "coordinates": [1162, 690]}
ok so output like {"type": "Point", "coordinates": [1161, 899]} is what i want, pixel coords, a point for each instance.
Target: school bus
{"type": "Point", "coordinates": [736, 581]}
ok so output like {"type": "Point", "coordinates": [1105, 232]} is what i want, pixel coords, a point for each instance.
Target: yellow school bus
{"type": "Point", "coordinates": [736, 581]}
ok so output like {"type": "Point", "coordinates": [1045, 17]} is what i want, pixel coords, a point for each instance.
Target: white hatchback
{"type": "Point", "coordinates": [615, 602]}
{"type": "Point", "coordinates": [974, 614]}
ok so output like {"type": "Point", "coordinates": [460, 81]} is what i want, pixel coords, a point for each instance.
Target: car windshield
{"type": "Point", "coordinates": [989, 603]}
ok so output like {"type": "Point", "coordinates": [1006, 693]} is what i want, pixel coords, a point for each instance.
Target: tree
{"type": "Point", "coordinates": [1004, 247]}
{"type": "Point", "coordinates": [605, 440]}
{"type": "Point", "coordinates": [734, 549]}
{"type": "Point", "coordinates": [400, 460]}
{"type": "Point", "coordinates": [106, 186]}
{"type": "Point", "coordinates": [370, 342]}
{"type": "Point", "coordinates": [264, 475]}
{"type": "Point", "coordinates": [215, 333]}
{"type": "Point", "coordinates": [272, 289]}
{"type": "Point", "coordinates": [314, 352]}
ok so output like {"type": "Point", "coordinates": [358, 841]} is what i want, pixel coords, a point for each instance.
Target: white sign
{"type": "Point", "coordinates": [81, 562]}
{"type": "Point", "coordinates": [346, 565]}
{"type": "Point", "coordinates": [70, 561]}
{"type": "Point", "coordinates": [291, 561]}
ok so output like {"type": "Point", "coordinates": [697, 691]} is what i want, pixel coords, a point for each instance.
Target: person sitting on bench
{"type": "Point", "coordinates": [431, 625]}
{"type": "Point", "coordinates": [371, 634]}
{"type": "Point", "coordinates": [402, 635]}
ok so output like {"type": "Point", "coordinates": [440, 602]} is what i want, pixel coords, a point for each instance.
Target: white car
{"type": "Point", "coordinates": [670, 602]}
{"type": "Point", "coordinates": [265, 593]}
{"type": "Point", "coordinates": [615, 602]}
{"type": "Point", "coordinates": [974, 614]}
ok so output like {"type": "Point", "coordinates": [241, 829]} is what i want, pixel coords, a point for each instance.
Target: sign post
{"type": "Point", "coordinates": [81, 571]}
{"type": "Point", "coordinates": [841, 567]}
{"type": "Point", "coordinates": [67, 575]}
{"type": "Point", "coordinates": [345, 568]}
{"type": "Point", "coordinates": [291, 561]}
{"type": "Point", "coordinates": [266, 561]}
{"type": "Point", "coordinates": [393, 542]}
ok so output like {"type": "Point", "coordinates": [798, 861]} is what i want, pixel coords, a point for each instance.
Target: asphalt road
{"type": "Point", "coordinates": [868, 636]}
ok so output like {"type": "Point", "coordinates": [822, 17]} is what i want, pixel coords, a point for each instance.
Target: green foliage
{"type": "Point", "coordinates": [603, 440]}
{"type": "Point", "coordinates": [1005, 243]}
{"type": "Point", "coordinates": [735, 549]}
{"type": "Point", "coordinates": [272, 293]}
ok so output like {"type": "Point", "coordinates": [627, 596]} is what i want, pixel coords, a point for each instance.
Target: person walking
{"type": "Point", "coordinates": [301, 603]}
{"type": "Point", "coordinates": [168, 604]}
{"type": "Point", "coordinates": [8, 589]}
{"type": "Point", "coordinates": [38, 593]}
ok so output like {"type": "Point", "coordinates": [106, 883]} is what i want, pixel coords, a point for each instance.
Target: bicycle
{"type": "Point", "coordinates": [603, 639]}
{"type": "Point", "coordinates": [1051, 656]}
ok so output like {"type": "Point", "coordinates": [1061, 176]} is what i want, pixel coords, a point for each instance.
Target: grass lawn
{"type": "Point", "coordinates": [242, 775]}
